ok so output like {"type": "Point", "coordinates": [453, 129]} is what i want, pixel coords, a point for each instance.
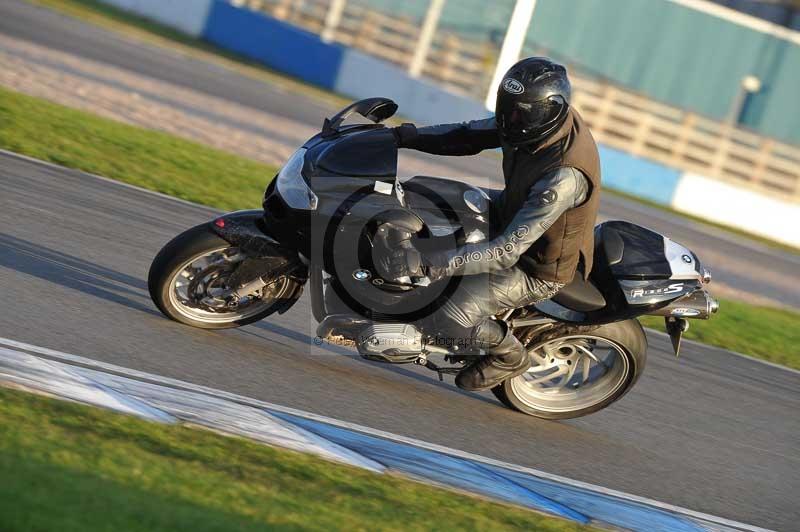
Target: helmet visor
{"type": "Point", "coordinates": [524, 120]}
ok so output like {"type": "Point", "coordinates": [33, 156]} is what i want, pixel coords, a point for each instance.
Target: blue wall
{"type": "Point", "coordinates": [277, 45]}
{"type": "Point", "coordinates": [640, 177]}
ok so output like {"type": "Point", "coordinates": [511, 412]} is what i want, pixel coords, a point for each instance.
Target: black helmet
{"type": "Point", "coordinates": [532, 100]}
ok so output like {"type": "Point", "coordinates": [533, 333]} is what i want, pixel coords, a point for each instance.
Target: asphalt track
{"type": "Point", "coordinates": [712, 432]}
{"type": "Point", "coordinates": [740, 264]}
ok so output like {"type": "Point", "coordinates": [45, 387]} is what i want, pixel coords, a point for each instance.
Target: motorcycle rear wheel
{"type": "Point", "coordinates": [578, 373]}
{"type": "Point", "coordinates": [189, 273]}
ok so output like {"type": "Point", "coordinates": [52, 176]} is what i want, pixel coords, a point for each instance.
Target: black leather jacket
{"type": "Point", "coordinates": [561, 189]}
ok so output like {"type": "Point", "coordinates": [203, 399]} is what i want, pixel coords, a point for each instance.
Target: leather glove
{"type": "Point", "coordinates": [396, 258]}
{"type": "Point", "coordinates": [404, 134]}
{"type": "Point", "coordinates": [399, 264]}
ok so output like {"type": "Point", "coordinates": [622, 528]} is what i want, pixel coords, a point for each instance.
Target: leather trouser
{"type": "Point", "coordinates": [464, 319]}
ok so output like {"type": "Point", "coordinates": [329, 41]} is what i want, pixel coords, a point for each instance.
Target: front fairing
{"type": "Point", "coordinates": [352, 173]}
{"type": "Point", "coordinates": [368, 151]}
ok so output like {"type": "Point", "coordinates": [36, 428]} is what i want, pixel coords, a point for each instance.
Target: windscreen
{"type": "Point", "coordinates": [363, 153]}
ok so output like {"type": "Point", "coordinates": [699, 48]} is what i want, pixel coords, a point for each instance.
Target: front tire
{"type": "Point", "coordinates": [578, 373]}
{"type": "Point", "coordinates": [191, 268]}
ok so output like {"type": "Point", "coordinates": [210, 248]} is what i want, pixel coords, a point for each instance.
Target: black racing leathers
{"type": "Point", "coordinates": [559, 190]}
{"type": "Point", "coordinates": [492, 280]}
{"type": "Point", "coordinates": [467, 138]}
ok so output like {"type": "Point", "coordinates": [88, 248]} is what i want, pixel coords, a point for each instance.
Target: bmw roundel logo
{"type": "Point", "coordinates": [513, 86]}
{"type": "Point", "coordinates": [687, 259]}
{"type": "Point", "coordinates": [361, 275]}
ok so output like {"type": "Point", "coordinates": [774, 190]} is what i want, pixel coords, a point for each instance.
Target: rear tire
{"type": "Point", "coordinates": [170, 261]}
{"type": "Point", "coordinates": [630, 342]}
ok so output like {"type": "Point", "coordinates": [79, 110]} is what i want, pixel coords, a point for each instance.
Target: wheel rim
{"type": "Point", "coordinates": [572, 373]}
{"type": "Point", "coordinates": [197, 287]}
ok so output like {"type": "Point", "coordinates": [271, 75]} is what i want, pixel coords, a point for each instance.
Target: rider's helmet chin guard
{"type": "Point", "coordinates": [533, 100]}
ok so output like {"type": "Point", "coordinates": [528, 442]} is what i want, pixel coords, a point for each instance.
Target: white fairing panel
{"type": "Point", "coordinates": [681, 261]}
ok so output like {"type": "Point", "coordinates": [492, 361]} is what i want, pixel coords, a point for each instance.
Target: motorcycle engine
{"type": "Point", "coordinates": [395, 343]}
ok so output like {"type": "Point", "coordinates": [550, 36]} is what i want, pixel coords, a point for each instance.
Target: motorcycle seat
{"type": "Point", "coordinates": [580, 295]}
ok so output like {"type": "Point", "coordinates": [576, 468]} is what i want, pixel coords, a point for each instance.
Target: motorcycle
{"type": "Point", "coordinates": [335, 209]}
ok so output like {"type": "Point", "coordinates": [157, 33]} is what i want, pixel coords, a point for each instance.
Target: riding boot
{"type": "Point", "coordinates": [505, 359]}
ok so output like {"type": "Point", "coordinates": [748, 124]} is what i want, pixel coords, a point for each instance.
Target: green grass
{"type": "Point", "coordinates": [150, 159]}
{"type": "Point", "coordinates": [69, 467]}
{"type": "Point", "coordinates": [768, 333]}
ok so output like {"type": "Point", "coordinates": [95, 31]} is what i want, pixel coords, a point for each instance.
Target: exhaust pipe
{"type": "Point", "coordinates": [698, 305]}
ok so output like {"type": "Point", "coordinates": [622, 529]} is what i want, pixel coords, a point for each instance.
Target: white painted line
{"type": "Point", "coordinates": [118, 370]}
{"type": "Point", "coordinates": [168, 405]}
{"type": "Point", "coordinates": [231, 417]}
{"type": "Point", "coordinates": [60, 168]}
{"type": "Point", "coordinates": [620, 203]}
{"type": "Point", "coordinates": [66, 381]}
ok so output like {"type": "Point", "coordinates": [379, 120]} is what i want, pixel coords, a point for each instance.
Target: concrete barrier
{"type": "Point", "coordinates": [738, 207]}
{"type": "Point", "coordinates": [304, 55]}
{"type": "Point", "coordinates": [363, 76]}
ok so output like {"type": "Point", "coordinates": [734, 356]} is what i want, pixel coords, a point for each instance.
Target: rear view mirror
{"type": "Point", "coordinates": [381, 111]}
{"type": "Point", "coordinates": [374, 109]}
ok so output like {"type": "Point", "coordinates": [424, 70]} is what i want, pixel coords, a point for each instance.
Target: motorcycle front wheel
{"type": "Point", "coordinates": [578, 373]}
{"type": "Point", "coordinates": [188, 283]}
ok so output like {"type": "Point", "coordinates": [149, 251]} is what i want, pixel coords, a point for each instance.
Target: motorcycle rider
{"type": "Point", "coordinates": [546, 216]}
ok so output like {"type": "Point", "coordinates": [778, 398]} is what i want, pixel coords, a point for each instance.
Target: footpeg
{"type": "Point", "coordinates": [425, 363]}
